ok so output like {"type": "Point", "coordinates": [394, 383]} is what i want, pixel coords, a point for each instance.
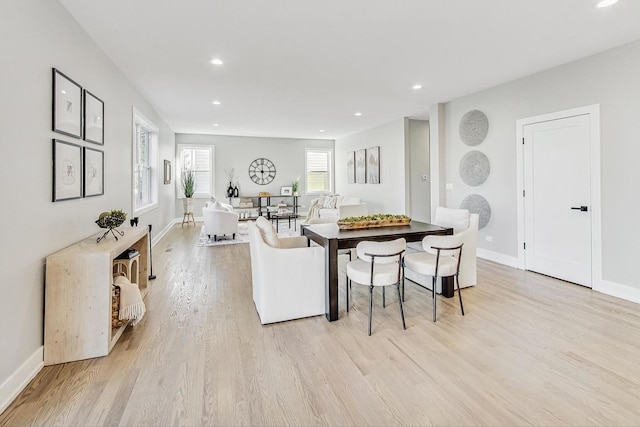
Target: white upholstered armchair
{"type": "Point", "coordinates": [219, 222]}
{"type": "Point", "coordinates": [287, 275]}
{"type": "Point", "coordinates": [465, 225]}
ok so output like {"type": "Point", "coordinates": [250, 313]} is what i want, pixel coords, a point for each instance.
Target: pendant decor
{"type": "Point", "coordinates": [474, 127]}
{"type": "Point", "coordinates": [475, 203]}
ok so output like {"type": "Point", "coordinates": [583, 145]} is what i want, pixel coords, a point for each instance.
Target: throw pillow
{"type": "Point", "coordinates": [267, 231]}
{"type": "Point", "coordinates": [329, 202]}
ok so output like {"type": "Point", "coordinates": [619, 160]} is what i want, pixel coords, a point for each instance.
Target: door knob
{"type": "Point", "coordinates": [580, 208]}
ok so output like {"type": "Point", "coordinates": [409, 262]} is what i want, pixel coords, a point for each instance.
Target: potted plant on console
{"type": "Point", "coordinates": [188, 182]}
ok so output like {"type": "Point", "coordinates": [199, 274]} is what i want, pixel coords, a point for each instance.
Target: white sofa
{"type": "Point", "coordinates": [219, 220]}
{"type": "Point", "coordinates": [288, 279]}
{"type": "Point", "coordinates": [465, 225]}
{"type": "Point", "coordinates": [334, 207]}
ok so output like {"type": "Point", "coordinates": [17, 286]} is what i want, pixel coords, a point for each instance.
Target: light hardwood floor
{"type": "Point", "coordinates": [530, 350]}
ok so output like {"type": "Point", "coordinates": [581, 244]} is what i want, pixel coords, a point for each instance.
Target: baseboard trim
{"type": "Point", "coordinates": [617, 290]}
{"type": "Point", "coordinates": [13, 386]}
{"type": "Point", "coordinates": [163, 232]}
{"type": "Point", "coordinates": [498, 257]}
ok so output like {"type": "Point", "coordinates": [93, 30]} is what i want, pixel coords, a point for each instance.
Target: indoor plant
{"type": "Point", "coordinates": [111, 221]}
{"type": "Point", "coordinates": [188, 181]}
{"type": "Point", "coordinates": [295, 185]}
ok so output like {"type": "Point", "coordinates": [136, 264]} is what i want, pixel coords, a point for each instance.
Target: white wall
{"type": "Point", "coordinates": [418, 191]}
{"type": "Point", "coordinates": [388, 196]}
{"type": "Point", "coordinates": [35, 36]}
{"type": "Point", "coordinates": [237, 152]}
{"type": "Point", "coordinates": [609, 79]}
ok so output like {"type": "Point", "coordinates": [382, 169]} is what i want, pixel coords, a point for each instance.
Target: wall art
{"type": "Point", "coordinates": [475, 203]}
{"type": "Point", "coordinates": [67, 171]}
{"type": "Point", "coordinates": [361, 166]}
{"type": "Point", "coordinates": [167, 172]}
{"type": "Point", "coordinates": [474, 127]}
{"type": "Point", "coordinates": [351, 167]}
{"type": "Point", "coordinates": [93, 172]}
{"type": "Point", "coordinates": [93, 118]}
{"type": "Point", "coordinates": [373, 165]}
{"type": "Point", "coordinates": [67, 105]}
{"type": "Point", "coordinates": [474, 168]}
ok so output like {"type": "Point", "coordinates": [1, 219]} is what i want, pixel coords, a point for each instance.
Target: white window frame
{"type": "Point", "coordinates": [140, 121]}
{"type": "Point", "coordinates": [212, 162]}
{"type": "Point", "coordinates": [329, 153]}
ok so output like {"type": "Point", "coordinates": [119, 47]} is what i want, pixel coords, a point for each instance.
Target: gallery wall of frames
{"type": "Point", "coordinates": [78, 169]}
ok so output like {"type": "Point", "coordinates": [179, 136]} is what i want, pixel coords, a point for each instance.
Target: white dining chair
{"type": "Point", "coordinates": [378, 264]}
{"type": "Point", "coordinates": [441, 259]}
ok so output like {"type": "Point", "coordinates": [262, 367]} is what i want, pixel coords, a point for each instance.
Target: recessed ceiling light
{"type": "Point", "coordinates": [416, 87]}
{"type": "Point", "coordinates": [216, 102]}
{"type": "Point", "coordinates": [321, 130]}
{"type": "Point", "coordinates": [216, 125]}
{"type": "Point", "coordinates": [217, 61]}
{"type": "Point", "coordinates": [358, 114]}
{"type": "Point", "coordinates": [607, 3]}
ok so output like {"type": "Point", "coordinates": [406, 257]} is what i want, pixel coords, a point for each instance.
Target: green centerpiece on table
{"type": "Point", "coordinates": [372, 221]}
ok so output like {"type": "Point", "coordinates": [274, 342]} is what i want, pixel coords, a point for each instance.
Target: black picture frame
{"type": "Point", "coordinates": [67, 171]}
{"type": "Point", "coordinates": [66, 105]}
{"type": "Point", "coordinates": [93, 118]}
{"type": "Point", "coordinates": [167, 172]}
{"type": "Point", "coordinates": [93, 172]}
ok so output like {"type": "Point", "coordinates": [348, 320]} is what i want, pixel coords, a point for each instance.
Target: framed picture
{"type": "Point", "coordinates": [361, 166]}
{"type": "Point", "coordinates": [67, 171]}
{"type": "Point", "coordinates": [351, 167]}
{"type": "Point", "coordinates": [93, 172]}
{"type": "Point", "coordinates": [286, 191]}
{"type": "Point", "coordinates": [93, 118]}
{"type": "Point", "coordinates": [373, 165]}
{"type": "Point", "coordinates": [167, 172]}
{"type": "Point", "coordinates": [67, 105]}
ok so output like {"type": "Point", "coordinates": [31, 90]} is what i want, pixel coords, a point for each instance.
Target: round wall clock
{"type": "Point", "coordinates": [262, 171]}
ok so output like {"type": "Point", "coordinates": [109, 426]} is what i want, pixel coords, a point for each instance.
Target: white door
{"type": "Point", "coordinates": [557, 198]}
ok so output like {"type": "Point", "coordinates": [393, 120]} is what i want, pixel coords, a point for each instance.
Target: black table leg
{"type": "Point", "coordinates": [447, 286]}
{"type": "Point", "coordinates": [331, 280]}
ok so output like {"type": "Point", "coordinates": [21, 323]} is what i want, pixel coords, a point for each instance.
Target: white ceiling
{"type": "Point", "coordinates": [293, 67]}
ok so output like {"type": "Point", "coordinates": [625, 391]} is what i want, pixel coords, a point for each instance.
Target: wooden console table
{"type": "Point", "coordinates": [77, 317]}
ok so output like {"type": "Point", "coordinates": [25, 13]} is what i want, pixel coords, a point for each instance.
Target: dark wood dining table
{"type": "Point", "coordinates": [334, 239]}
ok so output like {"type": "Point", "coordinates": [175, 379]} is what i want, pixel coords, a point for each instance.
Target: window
{"type": "Point", "coordinates": [199, 159]}
{"type": "Point", "coordinates": [318, 167]}
{"type": "Point", "coordinates": [145, 164]}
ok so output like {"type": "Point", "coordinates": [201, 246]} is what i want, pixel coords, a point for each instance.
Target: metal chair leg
{"type": "Point", "coordinates": [459, 294]}
{"type": "Point", "coordinates": [433, 294]}
{"type": "Point", "coordinates": [403, 280]}
{"type": "Point", "coordinates": [370, 306]}
{"type": "Point", "coordinates": [383, 298]}
{"type": "Point", "coordinates": [404, 326]}
{"type": "Point", "coordinates": [347, 290]}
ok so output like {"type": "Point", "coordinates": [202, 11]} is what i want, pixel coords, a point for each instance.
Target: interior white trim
{"type": "Point", "coordinates": [596, 207]}
{"type": "Point", "coordinates": [164, 231]}
{"type": "Point", "coordinates": [625, 292]}
{"type": "Point", "coordinates": [12, 386]}
{"type": "Point", "coordinates": [498, 258]}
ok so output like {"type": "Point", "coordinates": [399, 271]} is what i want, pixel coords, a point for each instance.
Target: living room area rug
{"type": "Point", "coordinates": [242, 236]}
